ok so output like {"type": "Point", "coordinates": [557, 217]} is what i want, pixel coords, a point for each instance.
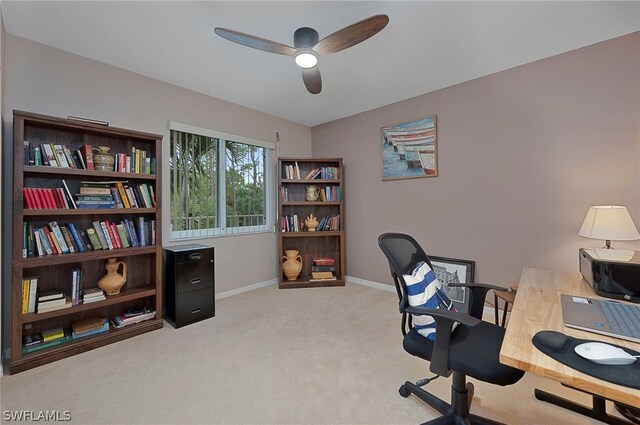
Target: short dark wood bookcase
{"type": "Point", "coordinates": [297, 176]}
{"type": "Point", "coordinates": [144, 281]}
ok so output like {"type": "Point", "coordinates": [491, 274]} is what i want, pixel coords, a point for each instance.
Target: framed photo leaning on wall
{"type": "Point", "coordinates": [454, 270]}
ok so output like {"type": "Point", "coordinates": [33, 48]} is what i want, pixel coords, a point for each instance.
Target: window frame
{"type": "Point", "coordinates": [269, 180]}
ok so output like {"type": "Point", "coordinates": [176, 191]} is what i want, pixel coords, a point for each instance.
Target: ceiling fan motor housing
{"type": "Point", "coordinates": [305, 37]}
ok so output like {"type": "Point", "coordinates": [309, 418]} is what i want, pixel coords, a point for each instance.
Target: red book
{"type": "Point", "coordinates": [52, 200]}
{"type": "Point", "coordinates": [40, 197]}
{"type": "Point", "coordinates": [111, 235]}
{"type": "Point", "coordinates": [114, 229]}
{"type": "Point", "coordinates": [87, 156]}
{"type": "Point", "coordinates": [36, 198]}
{"type": "Point", "coordinates": [56, 196]}
{"type": "Point", "coordinates": [47, 233]}
{"type": "Point", "coordinates": [45, 196]}
{"type": "Point", "coordinates": [27, 198]}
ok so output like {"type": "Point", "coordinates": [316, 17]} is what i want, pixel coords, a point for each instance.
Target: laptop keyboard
{"type": "Point", "coordinates": [624, 319]}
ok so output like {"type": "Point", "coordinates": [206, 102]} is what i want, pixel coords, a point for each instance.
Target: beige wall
{"type": "Point", "coordinates": [50, 81]}
{"type": "Point", "coordinates": [522, 155]}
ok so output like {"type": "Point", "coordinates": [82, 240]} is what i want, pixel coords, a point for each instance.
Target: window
{"type": "Point", "coordinates": [220, 183]}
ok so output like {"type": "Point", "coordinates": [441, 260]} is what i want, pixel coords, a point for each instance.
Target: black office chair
{"type": "Point", "coordinates": [471, 349]}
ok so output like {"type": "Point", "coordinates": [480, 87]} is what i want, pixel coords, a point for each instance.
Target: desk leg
{"type": "Point", "coordinates": [598, 411]}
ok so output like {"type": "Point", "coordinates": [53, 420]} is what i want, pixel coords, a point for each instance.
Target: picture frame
{"type": "Point", "coordinates": [455, 270]}
{"type": "Point", "coordinates": [410, 149]}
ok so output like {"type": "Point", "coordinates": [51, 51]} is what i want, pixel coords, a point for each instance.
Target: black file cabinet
{"type": "Point", "coordinates": [188, 284]}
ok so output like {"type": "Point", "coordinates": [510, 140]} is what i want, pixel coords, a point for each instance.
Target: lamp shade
{"type": "Point", "coordinates": [609, 222]}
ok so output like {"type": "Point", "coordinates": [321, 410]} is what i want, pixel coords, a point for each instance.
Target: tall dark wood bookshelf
{"type": "Point", "coordinates": [144, 281]}
{"type": "Point", "coordinates": [325, 243]}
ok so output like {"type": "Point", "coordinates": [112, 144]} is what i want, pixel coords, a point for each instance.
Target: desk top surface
{"type": "Point", "coordinates": [537, 307]}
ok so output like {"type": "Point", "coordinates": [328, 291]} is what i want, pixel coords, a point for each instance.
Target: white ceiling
{"type": "Point", "coordinates": [425, 47]}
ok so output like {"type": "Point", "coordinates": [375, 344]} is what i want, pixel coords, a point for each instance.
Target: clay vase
{"type": "Point", "coordinates": [311, 222]}
{"type": "Point", "coordinates": [293, 264]}
{"type": "Point", "coordinates": [112, 282]}
{"type": "Point", "coordinates": [102, 160]}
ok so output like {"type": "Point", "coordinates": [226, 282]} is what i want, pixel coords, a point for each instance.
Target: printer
{"type": "Point", "coordinates": [612, 273]}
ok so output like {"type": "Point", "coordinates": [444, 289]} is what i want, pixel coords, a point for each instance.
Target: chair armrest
{"type": "Point", "coordinates": [478, 294]}
{"type": "Point", "coordinates": [444, 325]}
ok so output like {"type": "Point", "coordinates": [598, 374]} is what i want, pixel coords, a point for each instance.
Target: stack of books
{"type": "Point", "coordinates": [92, 295]}
{"type": "Point", "coordinates": [323, 269]}
{"type": "Point", "coordinates": [53, 300]}
{"type": "Point", "coordinates": [134, 316]}
{"type": "Point", "coordinates": [45, 339]}
{"type": "Point", "coordinates": [89, 326]}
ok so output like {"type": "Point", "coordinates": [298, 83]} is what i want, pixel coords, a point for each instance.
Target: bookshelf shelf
{"type": "Point", "coordinates": [317, 203]}
{"type": "Point", "coordinates": [52, 260]}
{"type": "Point", "coordinates": [312, 181]}
{"type": "Point", "coordinates": [86, 211]}
{"type": "Point", "coordinates": [34, 231]}
{"type": "Point", "coordinates": [321, 234]}
{"type": "Point", "coordinates": [38, 358]}
{"type": "Point", "coordinates": [129, 295]}
{"type": "Point", "coordinates": [293, 208]}
{"type": "Point", "coordinates": [50, 172]}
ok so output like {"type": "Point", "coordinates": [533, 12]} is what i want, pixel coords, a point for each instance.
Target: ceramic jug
{"type": "Point", "coordinates": [112, 282]}
{"type": "Point", "coordinates": [311, 222]}
{"type": "Point", "coordinates": [293, 264]}
{"type": "Point", "coordinates": [312, 193]}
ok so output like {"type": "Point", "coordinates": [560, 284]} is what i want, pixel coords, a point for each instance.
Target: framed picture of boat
{"type": "Point", "coordinates": [410, 149]}
{"type": "Point", "coordinates": [454, 270]}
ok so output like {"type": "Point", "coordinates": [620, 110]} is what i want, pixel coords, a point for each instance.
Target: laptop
{"type": "Point", "coordinates": [612, 318]}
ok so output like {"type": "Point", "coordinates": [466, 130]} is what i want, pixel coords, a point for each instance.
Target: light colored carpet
{"type": "Point", "coordinates": [303, 356]}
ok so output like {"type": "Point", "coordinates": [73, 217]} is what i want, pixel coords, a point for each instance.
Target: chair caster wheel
{"type": "Point", "coordinates": [404, 391]}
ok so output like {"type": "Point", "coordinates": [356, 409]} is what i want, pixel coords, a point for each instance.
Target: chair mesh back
{"type": "Point", "coordinates": [402, 251]}
{"type": "Point", "coordinates": [403, 254]}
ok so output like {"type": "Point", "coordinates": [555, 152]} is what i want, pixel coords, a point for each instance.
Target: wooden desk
{"type": "Point", "coordinates": [537, 307]}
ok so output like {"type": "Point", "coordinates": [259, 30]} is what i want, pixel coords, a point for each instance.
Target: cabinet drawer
{"type": "Point", "coordinates": [194, 256]}
{"type": "Point", "coordinates": [195, 275]}
{"type": "Point", "coordinates": [194, 306]}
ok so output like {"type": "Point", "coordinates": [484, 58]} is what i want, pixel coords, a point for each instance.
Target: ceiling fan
{"type": "Point", "coordinates": [307, 47]}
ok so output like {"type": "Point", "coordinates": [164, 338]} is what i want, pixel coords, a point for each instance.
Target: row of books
{"type": "Point", "coordinates": [57, 155]}
{"type": "Point", "coordinates": [82, 328]}
{"type": "Point", "coordinates": [115, 194]}
{"type": "Point", "coordinates": [292, 223]}
{"type": "Point", "coordinates": [91, 195]}
{"type": "Point", "coordinates": [56, 299]}
{"type": "Point", "coordinates": [54, 239]}
{"type": "Point", "coordinates": [29, 291]}
{"type": "Point", "coordinates": [327, 194]}
{"type": "Point", "coordinates": [330, 194]}
{"type": "Point", "coordinates": [292, 172]}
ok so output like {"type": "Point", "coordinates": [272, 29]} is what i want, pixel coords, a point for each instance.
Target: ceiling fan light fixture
{"type": "Point", "coordinates": [306, 59]}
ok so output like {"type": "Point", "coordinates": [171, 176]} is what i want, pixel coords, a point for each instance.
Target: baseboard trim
{"type": "Point", "coordinates": [488, 310]}
{"type": "Point", "coordinates": [244, 289]}
{"type": "Point", "coordinates": [371, 284]}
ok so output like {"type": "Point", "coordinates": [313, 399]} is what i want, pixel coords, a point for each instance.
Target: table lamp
{"type": "Point", "coordinates": [609, 222]}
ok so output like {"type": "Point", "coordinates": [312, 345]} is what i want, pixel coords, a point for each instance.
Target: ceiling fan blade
{"type": "Point", "coordinates": [352, 35]}
{"type": "Point", "coordinates": [312, 80]}
{"type": "Point", "coordinates": [255, 42]}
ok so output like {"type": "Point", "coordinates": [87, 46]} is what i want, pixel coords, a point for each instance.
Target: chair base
{"type": "Point", "coordinates": [456, 413]}
{"type": "Point", "coordinates": [597, 411]}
